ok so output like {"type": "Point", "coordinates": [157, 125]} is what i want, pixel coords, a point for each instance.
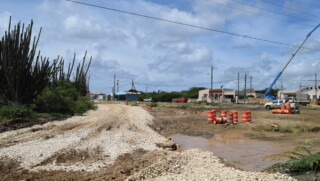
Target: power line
{"type": "Point", "coordinates": [185, 85]}
{"type": "Point", "coordinates": [291, 9]}
{"type": "Point", "coordinates": [259, 14]}
{"type": "Point", "coordinates": [190, 25]}
{"type": "Point", "coordinates": [269, 10]}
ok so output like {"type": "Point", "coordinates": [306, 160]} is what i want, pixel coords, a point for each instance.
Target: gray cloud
{"type": "Point", "coordinates": [243, 46]}
{"type": "Point", "coordinates": [183, 60]}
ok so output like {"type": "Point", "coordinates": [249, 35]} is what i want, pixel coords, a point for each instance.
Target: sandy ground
{"type": "Point", "coordinates": [114, 142]}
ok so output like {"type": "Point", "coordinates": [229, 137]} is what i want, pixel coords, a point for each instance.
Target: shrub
{"type": "Point", "coordinates": [183, 107]}
{"type": "Point", "coordinates": [60, 99]}
{"type": "Point", "coordinates": [83, 105]}
{"type": "Point", "coordinates": [10, 112]}
{"type": "Point", "coordinates": [64, 98]}
{"type": "Point", "coordinates": [153, 104]}
{"type": "Point", "coordinates": [302, 163]}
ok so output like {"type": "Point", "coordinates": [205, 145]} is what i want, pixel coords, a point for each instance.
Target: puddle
{"type": "Point", "coordinates": [249, 155]}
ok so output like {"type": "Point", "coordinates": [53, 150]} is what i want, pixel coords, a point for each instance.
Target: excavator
{"type": "Point", "coordinates": [267, 93]}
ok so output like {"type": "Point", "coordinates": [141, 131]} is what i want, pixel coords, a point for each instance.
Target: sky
{"type": "Point", "coordinates": [165, 56]}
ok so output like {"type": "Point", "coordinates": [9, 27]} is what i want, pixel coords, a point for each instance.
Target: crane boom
{"type": "Point", "coordinates": [267, 93]}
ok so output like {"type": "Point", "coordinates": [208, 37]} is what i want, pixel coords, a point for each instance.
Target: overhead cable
{"type": "Point", "coordinates": [288, 8]}
{"type": "Point", "coordinates": [259, 14]}
{"type": "Point", "coordinates": [190, 25]}
{"type": "Point", "coordinates": [185, 85]}
{"type": "Point", "coordinates": [270, 10]}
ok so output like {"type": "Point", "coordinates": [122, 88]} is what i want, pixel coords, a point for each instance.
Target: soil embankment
{"type": "Point", "coordinates": [114, 142]}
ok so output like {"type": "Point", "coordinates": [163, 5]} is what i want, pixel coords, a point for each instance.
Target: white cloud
{"type": "Point", "coordinates": [159, 52]}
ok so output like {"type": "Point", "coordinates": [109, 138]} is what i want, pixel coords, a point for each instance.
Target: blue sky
{"type": "Point", "coordinates": [173, 57]}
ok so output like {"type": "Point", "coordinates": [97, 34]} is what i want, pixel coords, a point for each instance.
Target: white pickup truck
{"type": "Point", "coordinates": [276, 104]}
{"type": "Point", "coordinates": [148, 99]}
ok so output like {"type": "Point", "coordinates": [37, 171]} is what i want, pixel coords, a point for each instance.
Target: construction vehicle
{"type": "Point", "coordinates": [302, 99]}
{"type": "Point", "coordinates": [267, 93]}
{"type": "Point", "coordinates": [276, 104]}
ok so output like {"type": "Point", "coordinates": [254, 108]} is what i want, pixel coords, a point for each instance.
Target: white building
{"type": "Point", "coordinates": [223, 95]}
{"type": "Point", "coordinates": [311, 91]}
{"type": "Point", "coordinates": [98, 96]}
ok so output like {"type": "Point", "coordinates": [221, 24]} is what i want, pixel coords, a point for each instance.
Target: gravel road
{"type": "Point", "coordinates": [94, 141]}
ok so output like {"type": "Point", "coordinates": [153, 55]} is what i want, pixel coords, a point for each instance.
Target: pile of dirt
{"type": "Point", "coordinates": [112, 129]}
{"type": "Point", "coordinates": [151, 165]}
{"type": "Point", "coordinates": [115, 142]}
{"type": "Point", "coordinates": [196, 165]}
{"type": "Point", "coordinates": [19, 123]}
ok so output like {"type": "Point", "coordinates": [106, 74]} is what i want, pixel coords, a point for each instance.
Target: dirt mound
{"type": "Point", "coordinates": [114, 142]}
{"type": "Point", "coordinates": [113, 130]}
{"type": "Point", "coordinates": [195, 165]}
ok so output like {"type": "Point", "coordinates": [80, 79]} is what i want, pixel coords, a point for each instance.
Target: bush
{"type": "Point", "coordinates": [10, 112]}
{"type": "Point", "coordinates": [64, 98]}
{"type": "Point", "coordinates": [153, 104]}
{"type": "Point", "coordinates": [183, 107]}
{"type": "Point", "coordinates": [83, 105]}
{"type": "Point", "coordinates": [302, 163]}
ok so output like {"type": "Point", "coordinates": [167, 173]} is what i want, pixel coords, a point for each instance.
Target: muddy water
{"type": "Point", "coordinates": [249, 155]}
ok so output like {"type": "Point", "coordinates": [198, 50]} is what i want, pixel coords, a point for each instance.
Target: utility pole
{"type": "Point", "coordinates": [250, 84]}
{"type": "Point", "coordinates": [118, 86]}
{"type": "Point", "coordinates": [300, 86]}
{"type": "Point", "coordinates": [315, 86]}
{"type": "Point", "coordinates": [245, 88]}
{"type": "Point", "coordinates": [238, 88]}
{"type": "Point", "coordinates": [114, 86]}
{"type": "Point", "coordinates": [132, 85]}
{"type": "Point", "coordinates": [211, 77]}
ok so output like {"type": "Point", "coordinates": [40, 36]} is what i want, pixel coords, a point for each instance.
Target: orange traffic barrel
{"type": "Point", "coordinates": [218, 120]}
{"type": "Point", "coordinates": [246, 116]}
{"type": "Point", "coordinates": [224, 113]}
{"type": "Point", "coordinates": [210, 116]}
{"type": "Point", "coordinates": [214, 113]}
{"type": "Point", "coordinates": [275, 111]}
{"type": "Point", "coordinates": [230, 118]}
{"type": "Point", "coordinates": [283, 106]}
{"type": "Point", "coordinates": [235, 116]}
{"type": "Point", "coordinates": [249, 116]}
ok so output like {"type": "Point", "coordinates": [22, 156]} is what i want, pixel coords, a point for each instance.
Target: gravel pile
{"type": "Point", "coordinates": [196, 165]}
{"type": "Point", "coordinates": [113, 129]}
{"type": "Point", "coordinates": [95, 141]}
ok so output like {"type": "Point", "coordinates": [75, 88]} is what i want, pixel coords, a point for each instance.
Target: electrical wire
{"type": "Point", "coordinates": [259, 14]}
{"type": "Point", "coordinates": [291, 9]}
{"type": "Point", "coordinates": [269, 10]}
{"type": "Point", "coordinates": [186, 85]}
{"type": "Point", "coordinates": [190, 25]}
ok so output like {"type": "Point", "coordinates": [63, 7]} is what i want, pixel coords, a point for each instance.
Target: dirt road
{"type": "Point", "coordinates": [114, 142]}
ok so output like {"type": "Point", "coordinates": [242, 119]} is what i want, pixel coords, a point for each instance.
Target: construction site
{"type": "Point", "coordinates": [198, 90]}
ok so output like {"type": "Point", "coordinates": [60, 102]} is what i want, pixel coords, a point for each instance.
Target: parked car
{"type": "Point", "coordinates": [148, 99]}
{"type": "Point", "coordinates": [276, 104]}
{"type": "Point", "coordinates": [180, 99]}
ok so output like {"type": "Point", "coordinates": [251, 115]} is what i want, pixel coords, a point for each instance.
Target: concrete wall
{"type": "Point", "coordinates": [258, 100]}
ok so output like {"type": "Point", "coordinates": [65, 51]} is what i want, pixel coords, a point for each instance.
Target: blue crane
{"type": "Point", "coordinates": [267, 93]}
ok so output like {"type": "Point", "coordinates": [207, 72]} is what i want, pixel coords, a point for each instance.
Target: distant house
{"type": "Point", "coordinates": [127, 96]}
{"type": "Point", "coordinates": [223, 95]}
{"type": "Point", "coordinates": [97, 96]}
{"type": "Point", "coordinates": [311, 91]}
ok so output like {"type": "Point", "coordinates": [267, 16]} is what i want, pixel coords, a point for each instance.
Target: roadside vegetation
{"type": "Point", "coordinates": [32, 86]}
{"type": "Point", "coordinates": [162, 96]}
{"type": "Point", "coordinates": [302, 164]}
